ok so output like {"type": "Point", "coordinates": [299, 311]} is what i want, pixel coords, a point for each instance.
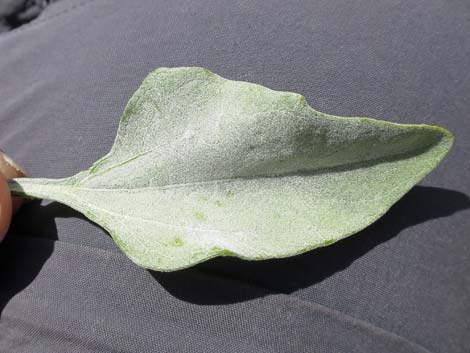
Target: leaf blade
{"type": "Point", "coordinates": [211, 180]}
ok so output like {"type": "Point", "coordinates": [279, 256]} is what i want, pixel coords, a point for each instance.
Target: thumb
{"type": "Point", "coordinates": [5, 207]}
{"type": "Point", "coordinates": [8, 170]}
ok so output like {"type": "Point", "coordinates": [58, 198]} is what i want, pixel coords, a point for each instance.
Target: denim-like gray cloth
{"type": "Point", "coordinates": [401, 285]}
{"type": "Point", "coordinates": [14, 13]}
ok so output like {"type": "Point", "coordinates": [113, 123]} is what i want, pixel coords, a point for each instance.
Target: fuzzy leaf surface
{"type": "Point", "coordinates": [203, 166]}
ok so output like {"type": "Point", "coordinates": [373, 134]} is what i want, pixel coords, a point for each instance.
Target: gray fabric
{"type": "Point", "coordinates": [401, 285]}
{"type": "Point", "coordinates": [14, 13]}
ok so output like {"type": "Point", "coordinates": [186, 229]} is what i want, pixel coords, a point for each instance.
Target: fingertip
{"type": "Point", "coordinates": [5, 207]}
{"type": "Point", "coordinates": [10, 169]}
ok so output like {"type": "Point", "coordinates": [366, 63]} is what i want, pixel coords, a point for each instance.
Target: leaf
{"type": "Point", "coordinates": [203, 167]}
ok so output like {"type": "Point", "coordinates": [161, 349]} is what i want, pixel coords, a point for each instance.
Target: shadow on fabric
{"type": "Point", "coordinates": [204, 283]}
{"type": "Point", "coordinates": [28, 245]}
{"type": "Point", "coordinates": [224, 280]}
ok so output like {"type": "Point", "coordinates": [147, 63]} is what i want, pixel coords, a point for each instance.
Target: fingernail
{"type": "Point", "coordinates": [9, 168]}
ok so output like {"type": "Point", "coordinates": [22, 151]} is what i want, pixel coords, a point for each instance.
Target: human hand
{"type": "Point", "coordinates": [8, 205]}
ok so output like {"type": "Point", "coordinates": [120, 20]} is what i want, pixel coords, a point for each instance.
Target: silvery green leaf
{"type": "Point", "coordinates": [203, 166]}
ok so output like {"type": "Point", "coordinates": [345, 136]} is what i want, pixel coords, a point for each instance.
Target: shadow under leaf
{"type": "Point", "coordinates": [28, 245]}
{"type": "Point", "coordinates": [225, 280]}
{"type": "Point", "coordinates": [287, 275]}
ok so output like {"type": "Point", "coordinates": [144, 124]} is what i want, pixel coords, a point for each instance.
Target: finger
{"type": "Point", "coordinates": [5, 207]}
{"type": "Point", "coordinates": [10, 169]}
